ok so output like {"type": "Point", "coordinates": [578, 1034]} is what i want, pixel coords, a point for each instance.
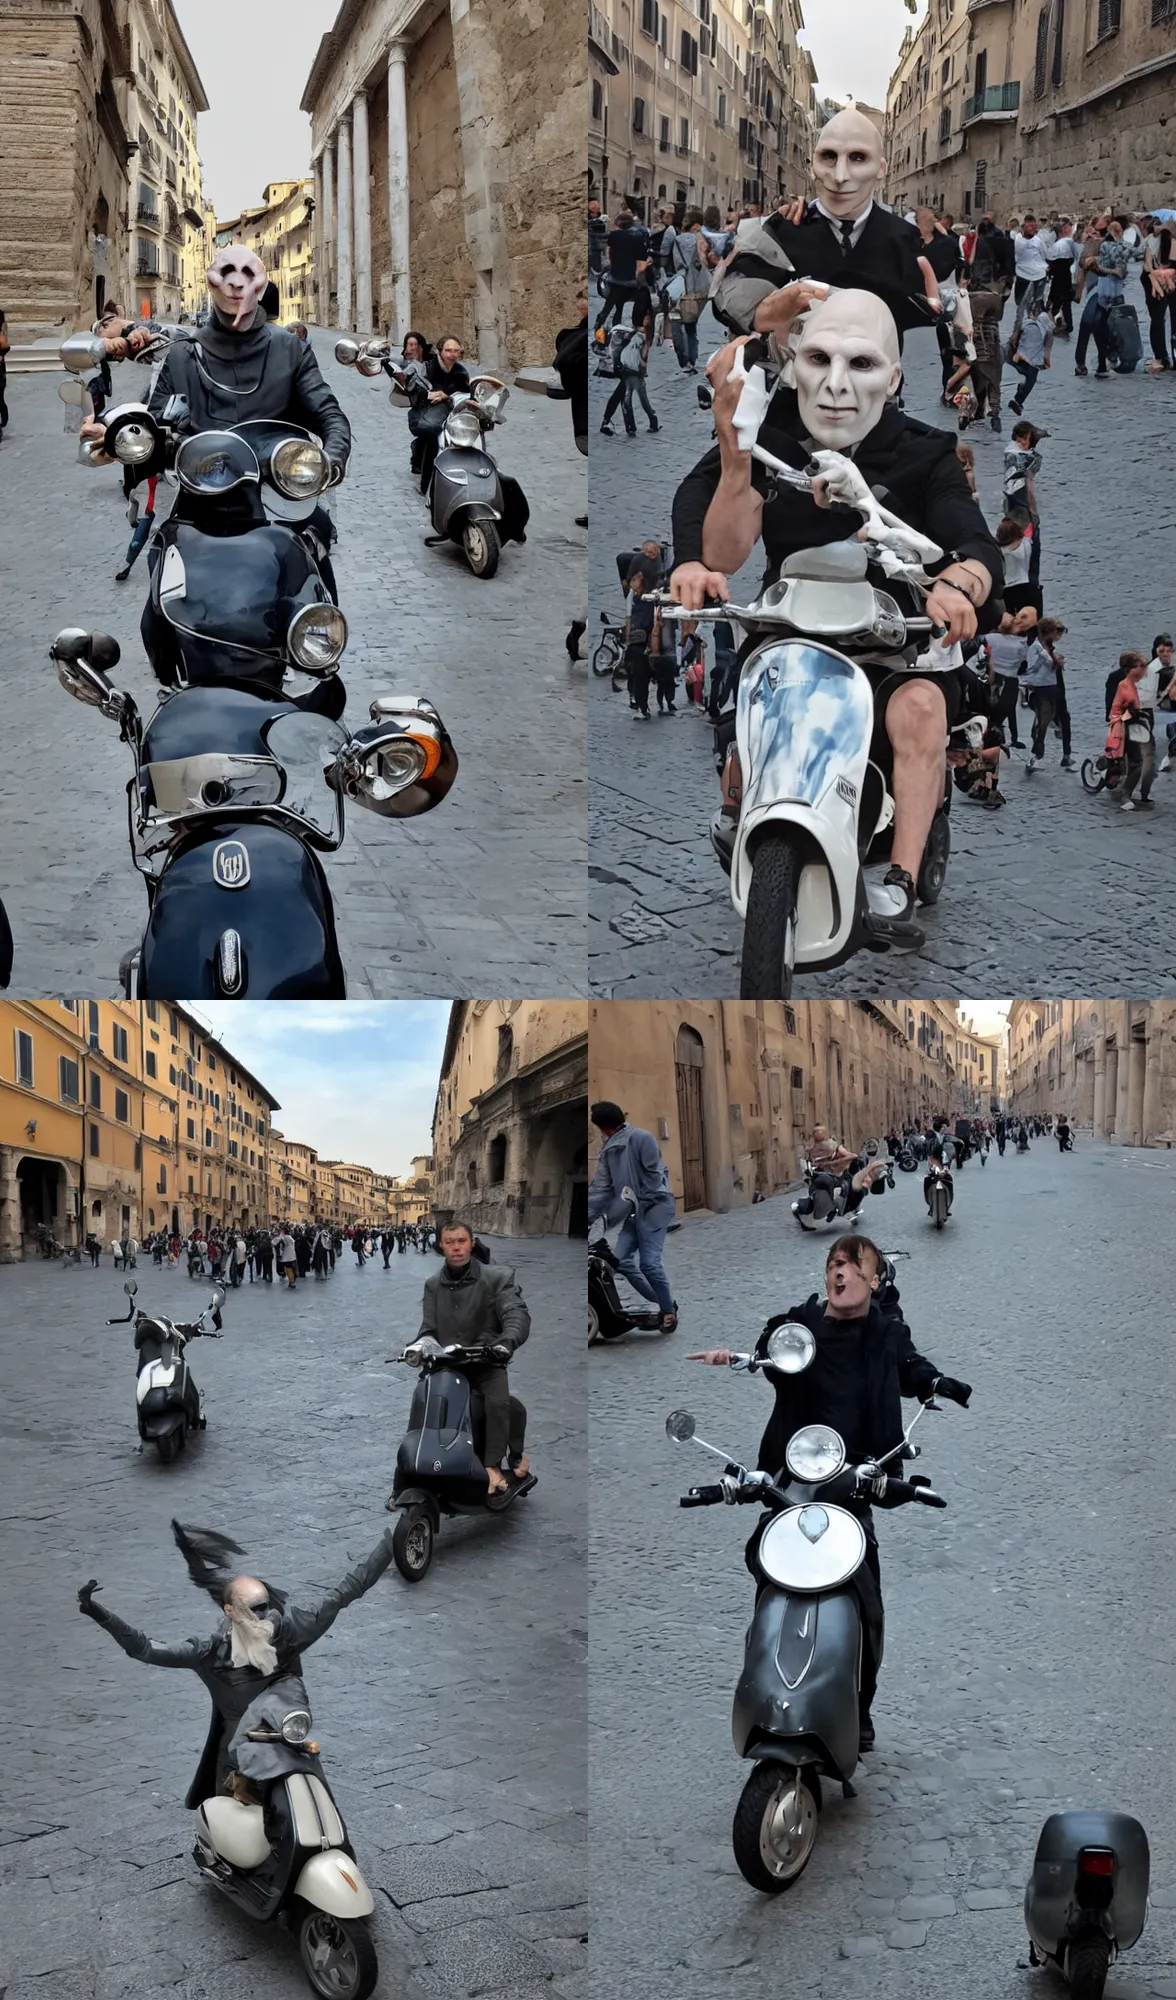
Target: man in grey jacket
{"type": "Point", "coordinates": [630, 1159]}
{"type": "Point", "coordinates": [480, 1305]}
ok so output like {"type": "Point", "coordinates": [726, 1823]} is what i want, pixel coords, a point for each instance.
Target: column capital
{"type": "Point", "coordinates": [359, 96]}
{"type": "Point", "coordinates": [397, 50]}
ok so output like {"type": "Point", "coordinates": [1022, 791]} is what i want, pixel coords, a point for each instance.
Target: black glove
{"type": "Point", "coordinates": [499, 1352]}
{"type": "Point", "coordinates": [86, 1605]}
{"type": "Point", "coordinates": [956, 1392]}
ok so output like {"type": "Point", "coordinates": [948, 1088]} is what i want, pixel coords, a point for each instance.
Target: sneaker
{"type": "Point", "coordinates": [1068, 764]}
{"type": "Point", "coordinates": [1079, 369]}
{"type": "Point", "coordinates": [1031, 763]}
{"type": "Point", "coordinates": [1015, 407]}
{"type": "Point", "coordinates": [607, 431]}
{"type": "Point", "coordinates": [890, 910]}
{"type": "Point", "coordinates": [1128, 806]}
{"type": "Point", "coordinates": [994, 424]}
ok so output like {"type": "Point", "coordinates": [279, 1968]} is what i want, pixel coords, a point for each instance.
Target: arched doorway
{"type": "Point", "coordinates": [689, 1060]}
{"type": "Point", "coordinates": [42, 1200]}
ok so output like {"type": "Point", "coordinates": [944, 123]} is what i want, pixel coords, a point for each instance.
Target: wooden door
{"type": "Point", "coordinates": [688, 1065]}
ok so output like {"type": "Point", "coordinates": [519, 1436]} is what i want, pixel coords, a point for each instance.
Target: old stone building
{"type": "Point", "coordinates": [1020, 106]}
{"type": "Point", "coordinates": [692, 104]}
{"type": "Point", "coordinates": [1109, 1065]}
{"type": "Point", "coordinates": [510, 1127]}
{"type": "Point", "coordinates": [279, 230]}
{"type": "Point", "coordinates": [731, 1089]}
{"type": "Point", "coordinates": [98, 162]}
{"type": "Point", "coordinates": [447, 139]}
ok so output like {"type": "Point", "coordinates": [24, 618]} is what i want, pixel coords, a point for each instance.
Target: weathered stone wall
{"type": "Point", "coordinates": [442, 280]}
{"type": "Point", "coordinates": [1120, 154]}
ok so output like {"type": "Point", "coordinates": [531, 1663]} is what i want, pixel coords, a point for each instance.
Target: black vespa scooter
{"type": "Point", "coordinates": [1086, 1900]}
{"type": "Point", "coordinates": [168, 1402]}
{"type": "Point", "coordinates": [439, 1465]}
{"type": "Point", "coordinates": [282, 1853]}
{"type": "Point", "coordinates": [608, 1317]}
{"type": "Point", "coordinates": [796, 1713]}
{"type": "Point", "coordinates": [233, 799]}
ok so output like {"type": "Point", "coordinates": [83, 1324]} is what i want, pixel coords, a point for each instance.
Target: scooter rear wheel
{"type": "Point", "coordinates": [769, 933]}
{"type": "Point", "coordinates": [338, 1956]}
{"type": "Point", "coordinates": [775, 1828]}
{"type": "Point", "coordinates": [412, 1543]}
{"type": "Point", "coordinates": [170, 1446]}
{"type": "Point", "coordinates": [1088, 1968]}
{"type": "Point", "coordinates": [1092, 780]}
{"type": "Point", "coordinates": [480, 541]}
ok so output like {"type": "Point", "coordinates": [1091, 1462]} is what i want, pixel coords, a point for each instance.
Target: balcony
{"type": "Point", "coordinates": [1000, 100]}
{"type": "Point", "coordinates": [144, 268]}
{"type": "Point", "coordinates": [147, 214]}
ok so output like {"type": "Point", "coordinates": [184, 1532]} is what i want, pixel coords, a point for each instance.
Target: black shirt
{"type": "Point", "coordinates": [642, 304]}
{"type": "Point", "coordinates": [943, 254]}
{"type": "Point", "coordinates": [839, 1384]}
{"type": "Point", "coordinates": [456, 382]}
{"type": "Point", "coordinates": [626, 249]}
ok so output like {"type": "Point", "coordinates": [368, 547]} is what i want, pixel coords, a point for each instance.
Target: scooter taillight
{"type": "Point", "coordinates": [1096, 1870]}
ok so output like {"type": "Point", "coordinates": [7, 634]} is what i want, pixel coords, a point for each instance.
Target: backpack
{"type": "Point", "coordinates": [609, 362]}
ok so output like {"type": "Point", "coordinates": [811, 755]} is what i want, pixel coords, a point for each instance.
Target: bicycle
{"type": "Point", "coordinates": [611, 649]}
{"type": "Point", "coordinates": [1102, 773]}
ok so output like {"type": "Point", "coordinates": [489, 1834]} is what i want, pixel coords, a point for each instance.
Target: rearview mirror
{"type": "Point", "coordinates": [368, 364]}
{"type": "Point", "coordinates": [347, 351]}
{"type": "Point", "coordinates": [75, 393]}
{"type": "Point", "coordinates": [680, 1426]}
{"type": "Point", "coordinates": [218, 1296]}
{"type": "Point", "coordinates": [82, 352]}
{"type": "Point", "coordinates": [400, 399]}
{"type": "Point", "coordinates": [130, 1288]}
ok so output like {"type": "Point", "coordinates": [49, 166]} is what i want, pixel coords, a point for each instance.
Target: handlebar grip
{"type": "Point", "coordinates": [929, 1497]}
{"type": "Point", "coordinates": [702, 1496]}
{"type": "Point", "coordinates": [939, 631]}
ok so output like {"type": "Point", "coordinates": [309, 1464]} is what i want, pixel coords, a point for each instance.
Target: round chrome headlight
{"type": "Point", "coordinates": [401, 763]}
{"type": "Point", "coordinates": [296, 1725]}
{"type": "Point", "coordinates": [791, 1348]}
{"type": "Point", "coordinates": [814, 1454]}
{"type": "Point", "coordinates": [299, 468]}
{"type": "Point", "coordinates": [463, 427]}
{"type": "Point", "coordinates": [347, 352]}
{"type": "Point", "coordinates": [134, 444]}
{"type": "Point", "coordinates": [216, 462]}
{"type": "Point", "coordinates": [317, 636]}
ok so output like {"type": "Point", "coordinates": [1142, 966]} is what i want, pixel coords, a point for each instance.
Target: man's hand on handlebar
{"type": "Point", "coordinates": [95, 430]}
{"type": "Point", "coordinates": [692, 583]}
{"type": "Point", "coordinates": [952, 608]}
{"type": "Point", "coordinates": [715, 1357]}
{"type": "Point", "coordinates": [956, 1392]}
{"type": "Point", "coordinates": [780, 309]}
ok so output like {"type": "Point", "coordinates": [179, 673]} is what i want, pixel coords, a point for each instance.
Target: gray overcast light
{"type": "Point", "coordinates": [254, 57]}
{"type": "Point", "coordinates": [855, 43]}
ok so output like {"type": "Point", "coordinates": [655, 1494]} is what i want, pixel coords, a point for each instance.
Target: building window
{"type": "Point", "coordinates": [96, 1208]}
{"type": "Point", "coordinates": [24, 1058]}
{"type": "Point", "coordinates": [1162, 10]}
{"type": "Point", "coordinates": [95, 1090]}
{"type": "Point", "coordinates": [689, 54]}
{"type": "Point", "coordinates": [122, 1108]}
{"type": "Point", "coordinates": [944, 126]}
{"type": "Point", "coordinates": [149, 1063]}
{"type": "Point", "coordinates": [173, 1021]}
{"type": "Point", "coordinates": [191, 1185]}
{"type": "Point", "coordinates": [638, 114]}
{"type": "Point", "coordinates": [207, 1136]}
{"type": "Point", "coordinates": [67, 1080]}
{"type": "Point", "coordinates": [650, 19]}
{"type": "Point", "coordinates": [597, 98]}
{"type": "Point", "coordinates": [92, 1013]}
{"type": "Point", "coordinates": [191, 1128]}
{"type": "Point", "coordinates": [1109, 15]}
{"type": "Point", "coordinates": [789, 1020]}
{"type": "Point", "coordinates": [93, 1142]}
{"type": "Point", "coordinates": [232, 1149]}
{"type": "Point", "coordinates": [161, 1185]}
{"type": "Point", "coordinates": [496, 1162]}
{"type": "Point", "coordinates": [120, 1044]}
{"type": "Point", "coordinates": [152, 1010]}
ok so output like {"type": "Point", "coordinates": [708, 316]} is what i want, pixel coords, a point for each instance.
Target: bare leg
{"type": "Point", "coordinates": [916, 723]}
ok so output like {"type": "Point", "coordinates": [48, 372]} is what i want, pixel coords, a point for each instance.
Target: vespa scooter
{"type": "Point", "coordinates": [1086, 1900]}
{"type": "Point", "coordinates": [608, 1317]}
{"type": "Point", "coordinates": [168, 1403]}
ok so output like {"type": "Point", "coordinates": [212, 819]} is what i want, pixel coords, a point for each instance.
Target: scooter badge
{"type": "Point", "coordinates": [230, 864]}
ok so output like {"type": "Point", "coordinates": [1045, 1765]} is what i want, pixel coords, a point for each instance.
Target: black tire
{"type": "Point", "coordinates": [169, 1446]}
{"type": "Point", "coordinates": [482, 547]}
{"type": "Point", "coordinates": [355, 1958]}
{"type": "Point", "coordinates": [1092, 779]}
{"type": "Point", "coordinates": [769, 934]}
{"type": "Point", "coordinates": [1088, 1968]}
{"type": "Point", "coordinates": [604, 659]}
{"type": "Point", "coordinates": [933, 867]}
{"type": "Point", "coordinates": [412, 1543]}
{"type": "Point", "coordinates": [757, 1827]}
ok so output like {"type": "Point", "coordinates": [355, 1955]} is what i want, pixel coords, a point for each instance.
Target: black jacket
{"type": "Point", "coordinates": [884, 261]}
{"type": "Point", "coordinates": [291, 384]}
{"type": "Point", "coordinates": [571, 365]}
{"type": "Point", "coordinates": [893, 1370]}
{"type": "Point", "coordinates": [910, 466]}
{"type": "Point", "coordinates": [456, 382]}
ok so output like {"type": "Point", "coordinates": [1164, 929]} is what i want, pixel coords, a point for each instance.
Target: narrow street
{"type": "Point", "coordinates": [451, 1712]}
{"type": "Point", "coordinates": [1028, 1654]}
{"type": "Point", "coordinates": [490, 886]}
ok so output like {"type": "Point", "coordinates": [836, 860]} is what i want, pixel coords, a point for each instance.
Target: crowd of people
{"type": "Point", "coordinates": [286, 1251]}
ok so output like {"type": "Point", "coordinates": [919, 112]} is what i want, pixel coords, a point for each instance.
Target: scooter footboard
{"type": "Point", "coordinates": [800, 1678]}
{"type": "Point", "coordinates": [278, 905]}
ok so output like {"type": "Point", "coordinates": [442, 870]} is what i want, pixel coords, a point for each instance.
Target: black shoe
{"type": "Point", "coordinates": [121, 575]}
{"type": "Point", "coordinates": [889, 921]}
{"type": "Point", "coordinates": [581, 520]}
{"type": "Point", "coordinates": [866, 1735]}
{"type": "Point", "coordinates": [1079, 369]}
{"type": "Point", "coordinates": [722, 833]}
{"type": "Point", "coordinates": [1015, 407]}
{"type": "Point", "coordinates": [607, 431]}
{"type": "Point", "coordinates": [654, 427]}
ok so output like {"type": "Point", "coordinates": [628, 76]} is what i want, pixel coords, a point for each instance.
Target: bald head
{"type": "Point", "coordinates": [845, 367]}
{"type": "Point", "coordinates": [247, 1594]}
{"type": "Point", "coordinates": [847, 163]}
{"type": "Point", "coordinates": [862, 315]}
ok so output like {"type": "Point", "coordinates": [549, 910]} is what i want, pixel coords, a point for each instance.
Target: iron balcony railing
{"type": "Point", "coordinates": [998, 98]}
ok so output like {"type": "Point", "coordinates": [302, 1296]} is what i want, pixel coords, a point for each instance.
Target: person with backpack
{"type": "Point", "coordinates": [691, 263]}
{"type": "Point", "coordinates": [628, 355]}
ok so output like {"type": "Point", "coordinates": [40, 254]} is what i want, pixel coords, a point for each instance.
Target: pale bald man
{"type": "Point", "coordinates": [842, 238]}
{"type": "Point", "coordinates": [846, 370]}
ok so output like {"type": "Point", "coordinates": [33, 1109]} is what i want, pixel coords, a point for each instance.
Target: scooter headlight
{"type": "Point", "coordinates": [296, 1726]}
{"type": "Point", "coordinates": [463, 427]}
{"type": "Point", "coordinates": [814, 1454]}
{"type": "Point", "coordinates": [791, 1348]}
{"type": "Point", "coordinates": [134, 444]}
{"type": "Point", "coordinates": [300, 469]}
{"type": "Point", "coordinates": [316, 637]}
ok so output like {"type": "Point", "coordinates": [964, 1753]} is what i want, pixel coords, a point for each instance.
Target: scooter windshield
{"type": "Point", "coordinates": [239, 590]}
{"type": "Point", "coordinates": [804, 719]}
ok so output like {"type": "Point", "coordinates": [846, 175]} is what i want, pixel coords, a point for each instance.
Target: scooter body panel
{"type": "Point", "coordinates": [306, 1826]}
{"type": "Point", "coordinates": [799, 1685]}
{"type": "Point", "coordinates": [804, 719]}
{"type": "Point", "coordinates": [438, 1451]}
{"type": "Point", "coordinates": [334, 1882]}
{"type": "Point", "coordinates": [1053, 1915]}
{"type": "Point", "coordinates": [280, 907]}
{"type": "Point", "coordinates": [465, 487]}
{"type": "Point", "coordinates": [229, 597]}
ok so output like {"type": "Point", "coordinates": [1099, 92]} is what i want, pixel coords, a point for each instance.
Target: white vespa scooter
{"type": "Point", "coordinates": [815, 808]}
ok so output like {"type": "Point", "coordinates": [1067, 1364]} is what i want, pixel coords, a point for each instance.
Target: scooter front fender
{"type": "Point", "coordinates": [804, 720]}
{"type": "Point", "coordinates": [800, 1679]}
{"type": "Point", "coordinates": [279, 906]}
{"type": "Point", "coordinates": [415, 1496]}
{"type": "Point", "coordinates": [334, 1882]}
{"type": "Point", "coordinates": [464, 480]}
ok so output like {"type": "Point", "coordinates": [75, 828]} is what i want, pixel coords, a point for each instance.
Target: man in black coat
{"type": "Point", "coordinates": [865, 1363]}
{"type": "Point", "coordinates": [846, 368]}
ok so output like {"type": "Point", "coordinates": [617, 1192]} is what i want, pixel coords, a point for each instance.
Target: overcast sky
{"type": "Point", "coordinates": [855, 44]}
{"type": "Point", "coordinates": [987, 1015]}
{"type": "Point", "coordinates": [356, 1079]}
{"type": "Point", "coordinates": [254, 57]}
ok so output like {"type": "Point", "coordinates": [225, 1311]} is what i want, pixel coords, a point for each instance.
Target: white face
{"type": "Point", "coordinates": [843, 378]}
{"type": "Point", "coordinates": [847, 164]}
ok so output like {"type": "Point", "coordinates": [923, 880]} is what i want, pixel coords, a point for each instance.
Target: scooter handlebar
{"type": "Point", "coordinates": [703, 1496]}
{"type": "Point", "coordinates": [904, 1489]}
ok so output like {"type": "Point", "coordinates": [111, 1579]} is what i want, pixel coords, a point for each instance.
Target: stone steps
{"type": "Point", "coordinates": [34, 359]}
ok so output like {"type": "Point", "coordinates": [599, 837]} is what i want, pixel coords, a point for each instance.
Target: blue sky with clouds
{"type": "Point", "coordinates": [356, 1079]}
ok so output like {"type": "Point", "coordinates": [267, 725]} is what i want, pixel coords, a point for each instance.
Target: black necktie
{"type": "Point", "coordinates": [847, 229]}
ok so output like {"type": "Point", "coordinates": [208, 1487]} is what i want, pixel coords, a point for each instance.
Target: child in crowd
{"type": "Point", "coordinates": [1031, 355]}
{"type": "Point", "coordinates": [977, 772]}
{"type": "Point", "coordinates": [1127, 732]}
{"type": "Point", "coordinates": [640, 627]}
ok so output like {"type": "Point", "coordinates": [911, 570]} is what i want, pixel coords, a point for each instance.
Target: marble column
{"type": "Point", "coordinates": [398, 211]}
{"type": "Point", "coordinates": [345, 320]}
{"type": "Point", "coordinates": [1152, 1115]}
{"type": "Point", "coordinates": [316, 239]}
{"type": "Point", "coordinates": [361, 178]}
{"type": "Point", "coordinates": [327, 234]}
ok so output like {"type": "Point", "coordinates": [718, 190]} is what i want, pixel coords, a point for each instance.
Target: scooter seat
{"type": "Point", "coordinates": [236, 1831]}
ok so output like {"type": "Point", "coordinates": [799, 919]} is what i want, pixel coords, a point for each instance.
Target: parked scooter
{"type": "Point", "coordinates": [232, 800]}
{"type": "Point", "coordinates": [1086, 1900]}
{"type": "Point", "coordinates": [287, 1858]}
{"type": "Point", "coordinates": [470, 501]}
{"type": "Point", "coordinates": [608, 1318]}
{"type": "Point", "coordinates": [439, 1464]}
{"type": "Point", "coordinates": [796, 1712]}
{"type": "Point", "coordinates": [168, 1402]}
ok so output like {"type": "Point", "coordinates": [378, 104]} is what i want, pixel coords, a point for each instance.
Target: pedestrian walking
{"type": "Point", "coordinates": [1062, 262]}
{"type": "Point", "coordinates": [639, 627]}
{"type": "Point", "coordinates": [1159, 292]}
{"type": "Point", "coordinates": [1031, 276]}
{"type": "Point", "coordinates": [1127, 732]}
{"type": "Point", "coordinates": [1006, 653]}
{"type": "Point", "coordinates": [1104, 270]}
{"type": "Point", "coordinates": [689, 284]}
{"type": "Point", "coordinates": [1031, 355]}
{"type": "Point", "coordinates": [1042, 676]}
{"type": "Point", "coordinates": [630, 1159]}
{"type": "Point", "coordinates": [628, 247]}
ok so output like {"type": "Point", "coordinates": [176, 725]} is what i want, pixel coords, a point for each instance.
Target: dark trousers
{"type": "Point", "coordinates": [1044, 704]}
{"type": "Point", "coordinates": [235, 1270]}
{"type": "Point", "coordinates": [1028, 376]}
{"type": "Point", "coordinates": [637, 671]}
{"type": "Point", "coordinates": [1008, 694]}
{"type": "Point", "coordinates": [506, 1418]}
{"type": "Point", "coordinates": [630, 384]}
{"type": "Point", "coordinates": [1061, 293]}
{"type": "Point", "coordinates": [1161, 315]}
{"type": "Point", "coordinates": [665, 676]}
{"type": "Point", "coordinates": [986, 383]}
{"type": "Point", "coordinates": [1093, 321]}
{"type": "Point", "coordinates": [619, 295]}
{"type": "Point", "coordinates": [947, 358]}
{"type": "Point", "coordinates": [1062, 716]}
{"type": "Point", "coordinates": [426, 432]}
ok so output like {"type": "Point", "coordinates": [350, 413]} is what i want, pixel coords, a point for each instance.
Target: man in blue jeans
{"type": "Point", "coordinates": [631, 1164]}
{"type": "Point", "coordinates": [1105, 265]}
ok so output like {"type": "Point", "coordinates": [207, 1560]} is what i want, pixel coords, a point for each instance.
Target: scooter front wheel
{"type": "Point", "coordinates": [338, 1956]}
{"type": "Point", "coordinates": [482, 548]}
{"type": "Point", "coordinates": [775, 1828]}
{"type": "Point", "coordinates": [1093, 780]}
{"type": "Point", "coordinates": [169, 1446]}
{"type": "Point", "coordinates": [1088, 1968]}
{"type": "Point", "coordinates": [769, 933]}
{"type": "Point", "coordinates": [412, 1543]}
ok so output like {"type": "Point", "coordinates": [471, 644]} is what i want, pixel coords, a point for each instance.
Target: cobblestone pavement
{"type": "Point", "coordinates": [490, 885]}
{"type": "Point", "coordinates": [1039, 897]}
{"type": "Point", "coordinates": [1028, 1655]}
{"type": "Point", "coordinates": [452, 1712]}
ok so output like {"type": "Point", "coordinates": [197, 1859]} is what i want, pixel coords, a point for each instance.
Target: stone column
{"type": "Point", "coordinates": [1123, 1094]}
{"type": "Point", "coordinates": [327, 234]}
{"type": "Point", "coordinates": [398, 212]}
{"type": "Point", "coordinates": [1136, 1072]}
{"type": "Point", "coordinates": [345, 320]}
{"type": "Point", "coordinates": [316, 236]}
{"type": "Point", "coordinates": [1152, 1112]}
{"type": "Point", "coordinates": [361, 176]}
